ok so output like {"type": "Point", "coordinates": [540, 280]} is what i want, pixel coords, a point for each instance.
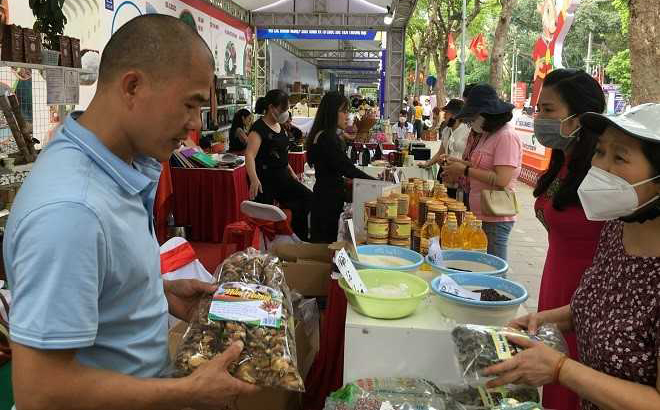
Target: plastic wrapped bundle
{"type": "Point", "coordinates": [465, 397]}
{"type": "Point", "coordinates": [253, 305]}
{"type": "Point", "coordinates": [386, 393]}
{"type": "Point", "coordinates": [479, 347]}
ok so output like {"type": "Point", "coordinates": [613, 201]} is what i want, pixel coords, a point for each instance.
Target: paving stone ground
{"type": "Point", "coordinates": [528, 246]}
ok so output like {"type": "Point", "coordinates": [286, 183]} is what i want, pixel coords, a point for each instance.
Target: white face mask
{"type": "Point", "coordinates": [283, 117]}
{"type": "Point", "coordinates": [605, 196]}
{"type": "Point", "coordinates": [478, 123]}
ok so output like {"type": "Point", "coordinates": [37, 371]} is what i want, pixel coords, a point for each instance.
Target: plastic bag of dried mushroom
{"type": "Point", "coordinates": [478, 347]}
{"type": "Point", "coordinates": [466, 397]}
{"type": "Point", "coordinates": [252, 304]}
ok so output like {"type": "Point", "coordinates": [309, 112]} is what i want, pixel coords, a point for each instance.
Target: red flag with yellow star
{"type": "Point", "coordinates": [478, 47]}
{"type": "Point", "coordinates": [451, 48]}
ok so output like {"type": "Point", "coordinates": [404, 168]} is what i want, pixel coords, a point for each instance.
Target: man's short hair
{"type": "Point", "coordinates": [157, 44]}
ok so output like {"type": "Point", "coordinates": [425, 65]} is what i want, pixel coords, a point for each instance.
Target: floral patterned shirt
{"type": "Point", "coordinates": [616, 312]}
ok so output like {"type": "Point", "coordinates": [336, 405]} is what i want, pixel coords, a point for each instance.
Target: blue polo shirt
{"type": "Point", "coordinates": [82, 260]}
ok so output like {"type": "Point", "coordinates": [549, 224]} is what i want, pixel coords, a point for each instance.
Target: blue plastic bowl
{"type": "Point", "coordinates": [499, 265]}
{"type": "Point", "coordinates": [415, 258]}
{"type": "Point", "coordinates": [476, 280]}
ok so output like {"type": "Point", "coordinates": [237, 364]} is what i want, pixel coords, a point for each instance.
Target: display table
{"type": "Point", "coordinates": [297, 161]}
{"type": "Point", "coordinates": [418, 346]}
{"type": "Point", "coordinates": [304, 124]}
{"type": "Point", "coordinates": [207, 200]}
{"type": "Point", "coordinates": [410, 172]}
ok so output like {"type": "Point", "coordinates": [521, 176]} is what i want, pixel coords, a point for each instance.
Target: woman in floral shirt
{"type": "Point", "coordinates": [615, 311]}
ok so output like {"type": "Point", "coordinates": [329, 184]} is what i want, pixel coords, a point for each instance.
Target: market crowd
{"type": "Point", "coordinates": [89, 315]}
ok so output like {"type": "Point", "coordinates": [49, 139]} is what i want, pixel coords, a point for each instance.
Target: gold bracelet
{"type": "Point", "coordinates": [558, 366]}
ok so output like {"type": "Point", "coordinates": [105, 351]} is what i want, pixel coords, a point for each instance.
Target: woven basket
{"type": "Point", "coordinates": [50, 57]}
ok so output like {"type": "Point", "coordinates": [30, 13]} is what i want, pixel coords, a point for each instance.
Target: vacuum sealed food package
{"type": "Point", "coordinates": [253, 305]}
{"type": "Point", "coordinates": [386, 394]}
{"type": "Point", "coordinates": [478, 347]}
{"type": "Point", "coordinates": [466, 397]}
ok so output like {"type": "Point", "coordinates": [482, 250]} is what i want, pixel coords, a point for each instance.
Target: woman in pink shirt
{"type": "Point", "coordinates": [495, 162]}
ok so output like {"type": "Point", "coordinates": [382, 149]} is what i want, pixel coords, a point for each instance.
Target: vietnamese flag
{"type": "Point", "coordinates": [451, 48]}
{"type": "Point", "coordinates": [478, 47]}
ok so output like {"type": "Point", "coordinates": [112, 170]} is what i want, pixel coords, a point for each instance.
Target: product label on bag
{"type": "Point", "coordinates": [501, 345]}
{"type": "Point", "coordinates": [254, 305]}
{"type": "Point", "coordinates": [493, 397]}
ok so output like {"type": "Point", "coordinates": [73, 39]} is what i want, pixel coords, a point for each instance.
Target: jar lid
{"type": "Point", "coordinates": [403, 219]}
{"type": "Point", "coordinates": [457, 206]}
{"type": "Point", "coordinates": [404, 197]}
{"type": "Point", "coordinates": [376, 241]}
{"type": "Point", "coordinates": [400, 242]}
{"type": "Point", "coordinates": [437, 207]}
{"type": "Point", "coordinates": [371, 203]}
{"type": "Point", "coordinates": [375, 220]}
{"type": "Point", "coordinates": [425, 199]}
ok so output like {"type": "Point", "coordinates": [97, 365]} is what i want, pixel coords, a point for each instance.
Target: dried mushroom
{"type": "Point", "coordinates": [253, 284]}
{"type": "Point", "coordinates": [479, 347]}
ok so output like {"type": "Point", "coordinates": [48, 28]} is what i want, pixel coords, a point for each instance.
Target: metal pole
{"type": "Point", "coordinates": [463, 48]}
{"type": "Point", "coordinates": [513, 74]}
{"type": "Point", "coordinates": [416, 76]}
{"type": "Point", "coordinates": [588, 61]}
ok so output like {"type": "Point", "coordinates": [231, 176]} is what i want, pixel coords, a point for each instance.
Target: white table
{"type": "Point", "coordinates": [410, 172]}
{"type": "Point", "coordinates": [419, 345]}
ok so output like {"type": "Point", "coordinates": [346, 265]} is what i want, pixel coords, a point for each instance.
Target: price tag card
{"type": "Point", "coordinates": [449, 285]}
{"type": "Point", "coordinates": [351, 229]}
{"type": "Point", "coordinates": [435, 252]}
{"type": "Point", "coordinates": [348, 272]}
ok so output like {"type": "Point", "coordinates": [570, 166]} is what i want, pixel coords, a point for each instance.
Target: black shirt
{"type": "Point", "coordinates": [274, 150]}
{"type": "Point", "coordinates": [331, 164]}
{"type": "Point", "coordinates": [235, 142]}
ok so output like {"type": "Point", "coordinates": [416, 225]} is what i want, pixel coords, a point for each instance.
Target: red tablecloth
{"type": "Point", "coordinates": [297, 161]}
{"type": "Point", "coordinates": [207, 200]}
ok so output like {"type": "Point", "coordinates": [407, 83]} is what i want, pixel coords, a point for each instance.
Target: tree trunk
{"type": "Point", "coordinates": [499, 42]}
{"type": "Point", "coordinates": [644, 51]}
{"type": "Point", "coordinates": [441, 65]}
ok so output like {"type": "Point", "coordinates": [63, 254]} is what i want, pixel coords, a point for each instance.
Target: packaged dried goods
{"type": "Point", "coordinates": [466, 397]}
{"type": "Point", "coordinates": [253, 305]}
{"type": "Point", "coordinates": [387, 393]}
{"type": "Point", "coordinates": [478, 347]}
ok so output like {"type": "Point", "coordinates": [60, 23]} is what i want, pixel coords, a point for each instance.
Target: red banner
{"type": "Point", "coordinates": [478, 47]}
{"type": "Point", "coordinates": [451, 48]}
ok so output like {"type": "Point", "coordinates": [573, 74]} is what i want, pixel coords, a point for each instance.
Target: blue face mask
{"type": "Point", "coordinates": [548, 132]}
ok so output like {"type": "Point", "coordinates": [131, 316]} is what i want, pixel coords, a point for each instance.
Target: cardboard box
{"type": "Point", "coordinates": [307, 267]}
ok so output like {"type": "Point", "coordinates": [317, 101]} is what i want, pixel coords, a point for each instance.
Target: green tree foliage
{"type": "Point", "coordinates": [618, 69]}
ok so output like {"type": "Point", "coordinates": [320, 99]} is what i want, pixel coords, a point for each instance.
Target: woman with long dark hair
{"type": "Point", "coordinates": [240, 126]}
{"type": "Point", "coordinates": [572, 238]}
{"type": "Point", "coordinates": [331, 164]}
{"type": "Point", "coordinates": [267, 161]}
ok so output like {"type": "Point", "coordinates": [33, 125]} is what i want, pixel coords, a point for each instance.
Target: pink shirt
{"type": "Point", "coordinates": [499, 149]}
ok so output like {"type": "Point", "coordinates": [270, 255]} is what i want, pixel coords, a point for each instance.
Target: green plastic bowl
{"type": "Point", "coordinates": [386, 308]}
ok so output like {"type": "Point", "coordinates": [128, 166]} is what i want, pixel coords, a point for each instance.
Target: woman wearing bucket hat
{"type": "Point", "coordinates": [615, 310]}
{"type": "Point", "coordinates": [495, 162]}
{"type": "Point", "coordinates": [572, 238]}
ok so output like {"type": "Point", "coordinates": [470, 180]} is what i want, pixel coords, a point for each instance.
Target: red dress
{"type": "Point", "coordinates": [572, 241]}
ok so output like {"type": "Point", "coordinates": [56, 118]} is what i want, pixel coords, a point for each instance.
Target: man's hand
{"type": "Point", "coordinates": [212, 384]}
{"type": "Point", "coordinates": [183, 296]}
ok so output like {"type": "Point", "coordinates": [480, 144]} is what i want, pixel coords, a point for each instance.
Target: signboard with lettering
{"type": "Point", "coordinates": [524, 125]}
{"type": "Point", "coordinates": [315, 34]}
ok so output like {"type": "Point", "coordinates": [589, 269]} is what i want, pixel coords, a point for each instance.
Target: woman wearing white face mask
{"type": "Point", "coordinates": [403, 128]}
{"type": "Point", "coordinates": [572, 239]}
{"type": "Point", "coordinates": [615, 310]}
{"type": "Point", "coordinates": [495, 162]}
{"type": "Point", "coordinates": [267, 162]}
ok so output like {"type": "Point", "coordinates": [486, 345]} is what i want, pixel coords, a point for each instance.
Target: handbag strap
{"type": "Point", "coordinates": [6, 306]}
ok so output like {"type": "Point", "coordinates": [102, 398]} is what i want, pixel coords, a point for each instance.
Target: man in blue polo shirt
{"type": "Point", "coordinates": [89, 316]}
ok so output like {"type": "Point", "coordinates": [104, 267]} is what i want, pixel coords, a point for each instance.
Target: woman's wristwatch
{"type": "Point", "coordinates": [467, 170]}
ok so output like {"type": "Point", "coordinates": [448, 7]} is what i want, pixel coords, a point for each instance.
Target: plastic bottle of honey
{"type": "Point", "coordinates": [465, 232]}
{"type": "Point", "coordinates": [449, 235]}
{"type": "Point", "coordinates": [478, 239]}
{"type": "Point", "coordinates": [414, 203]}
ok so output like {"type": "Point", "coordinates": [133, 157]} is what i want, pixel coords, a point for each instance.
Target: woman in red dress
{"type": "Point", "coordinates": [572, 238]}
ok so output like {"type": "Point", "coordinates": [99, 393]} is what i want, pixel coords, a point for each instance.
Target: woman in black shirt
{"type": "Point", "coordinates": [267, 161]}
{"type": "Point", "coordinates": [331, 164]}
{"type": "Point", "coordinates": [238, 132]}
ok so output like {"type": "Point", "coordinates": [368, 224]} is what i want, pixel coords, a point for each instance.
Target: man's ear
{"type": "Point", "coordinates": [131, 83]}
